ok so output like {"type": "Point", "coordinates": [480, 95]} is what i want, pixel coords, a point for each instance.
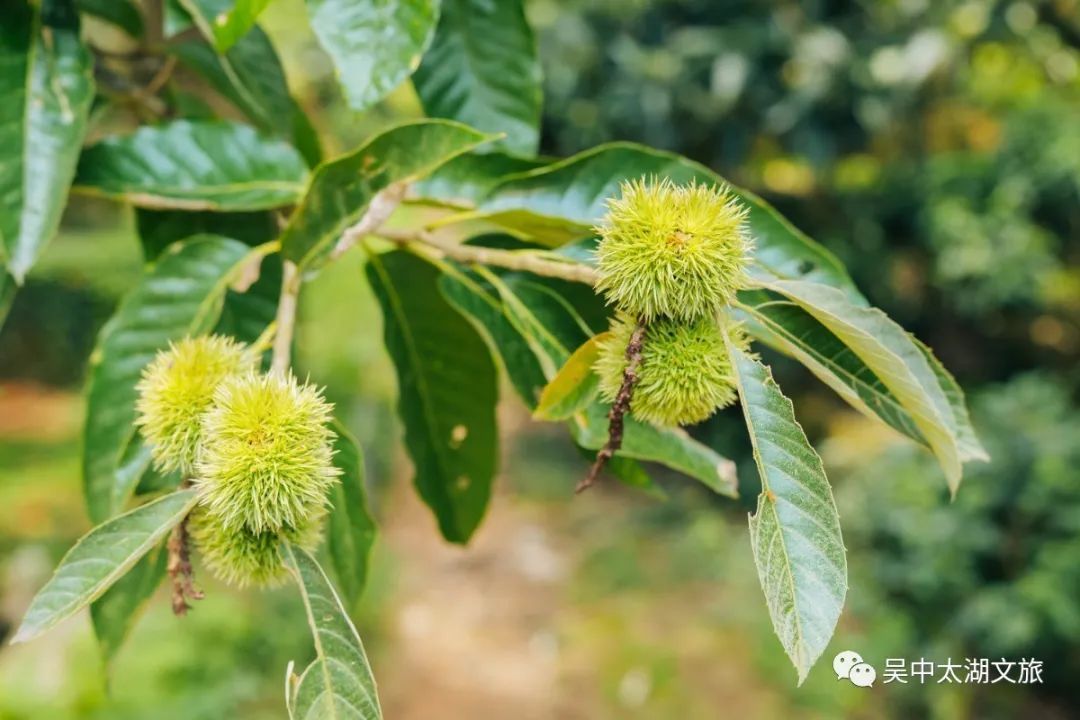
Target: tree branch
{"type": "Point", "coordinates": [179, 568]}
{"type": "Point", "coordinates": [286, 318]}
{"type": "Point", "coordinates": [380, 209]}
{"type": "Point", "coordinates": [617, 414]}
{"type": "Point", "coordinates": [524, 260]}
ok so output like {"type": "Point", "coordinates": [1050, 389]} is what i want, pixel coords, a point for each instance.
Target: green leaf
{"type": "Point", "coordinates": [374, 44]}
{"type": "Point", "coordinates": [120, 13]}
{"type": "Point", "coordinates": [566, 199]}
{"type": "Point", "coordinates": [47, 84]}
{"type": "Point", "coordinates": [351, 529]}
{"type": "Point", "coordinates": [115, 612]}
{"type": "Point", "coordinates": [795, 533]}
{"type": "Point", "coordinates": [187, 165]}
{"type": "Point", "coordinates": [235, 21]}
{"type": "Point", "coordinates": [446, 392]}
{"type": "Point", "coordinates": [672, 447]}
{"type": "Point", "coordinates": [338, 683]}
{"type": "Point", "coordinates": [157, 229]}
{"type": "Point", "coordinates": [7, 294]}
{"type": "Point", "coordinates": [480, 303]}
{"type": "Point", "coordinates": [249, 73]}
{"type": "Point", "coordinates": [181, 295]}
{"type": "Point", "coordinates": [575, 386]}
{"type": "Point", "coordinates": [892, 355]}
{"type": "Point", "coordinates": [482, 69]}
{"type": "Point", "coordinates": [342, 189]}
{"type": "Point", "coordinates": [465, 180]}
{"type": "Point", "coordinates": [100, 558]}
{"type": "Point", "coordinates": [968, 443]}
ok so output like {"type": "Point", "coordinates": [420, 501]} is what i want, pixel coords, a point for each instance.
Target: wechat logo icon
{"type": "Point", "coordinates": [849, 665]}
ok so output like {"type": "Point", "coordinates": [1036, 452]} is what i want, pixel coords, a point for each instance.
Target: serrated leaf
{"type": "Point", "coordinates": [968, 443]}
{"type": "Point", "coordinates": [114, 613]}
{"type": "Point", "coordinates": [446, 392]}
{"type": "Point", "coordinates": [182, 294]}
{"type": "Point", "coordinates": [567, 199]}
{"type": "Point", "coordinates": [374, 44]}
{"type": "Point", "coordinates": [896, 360]}
{"type": "Point", "coordinates": [338, 684]}
{"type": "Point", "coordinates": [100, 558]}
{"type": "Point", "coordinates": [672, 447]}
{"type": "Point", "coordinates": [795, 533]}
{"type": "Point", "coordinates": [47, 84]}
{"type": "Point", "coordinates": [482, 69]}
{"type": "Point", "coordinates": [120, 13]}
{"type": "Point", "coordinates": [342, 189]}
{"type": "Point", "coordinates": [575, 386]}
{"type": "Point", "coordinates": [350, 529]}
{"type": "Point", "coordinates": [187, 165]}
{"type": "Point", "coordinates": [249, 73]}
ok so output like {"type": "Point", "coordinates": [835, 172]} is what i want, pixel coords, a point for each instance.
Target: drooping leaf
{"type": "Point", "coordinates": [374, 44]}
{"type": "Point", "coordinates": [341, 189]}
{"type": "Point", "coordinates": [47, 84]}
{"type": "Point", "coordinates": [672, 447]}
{"type": "Point", "coordinates": [795, 533]}
{"type": "Point", "coordinates": [896, 360]}
{"type": "Point", "coordinates": [180, 295]}
{"type": "Point", "coordinates": [120, 13]}
{"type": "Point", "coordinates": [351, 529]}
{"type": "Point", "coordinates": [565, 200]}
{"type": "Point", "coordinates": [575, 386]}
{"type": "Point", "coordinates": [466, 179]}
{"type": "Point", "coordinates": [100, 558]}
{"type": "Point", "coordinates": [186, 165]}
{"type": "Point", "coordinates": [446, 392]}
{"type": "Point", "coordinates": [968, 443]}
{"type": "Point", "coordinates": [249, 73]}
{"type": "Point", "coordinates": [338, 684]}
{"type": "Point", "coordinates": [482, 69]}
{"type": "Point", "coordinates": [115, 612]}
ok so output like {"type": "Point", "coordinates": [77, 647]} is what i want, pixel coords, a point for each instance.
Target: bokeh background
{"type": "Point", "coordinates": [933, 145]}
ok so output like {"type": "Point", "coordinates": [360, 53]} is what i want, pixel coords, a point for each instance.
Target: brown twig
{"type": "Point", "coordinates": [180, 571]}
{"type": "Point", "coordinates": [619, 408]}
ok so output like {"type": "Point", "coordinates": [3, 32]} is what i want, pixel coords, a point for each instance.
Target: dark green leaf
{"type": "Point", "coordinates": [795, 533]}
{"type": "Point", "coordinates": [374, 44]}
{"type": "Point", "coordinates": [120, 13]}
{"type": "Point", "coordinates": [7, 294]}
{"type": "Point", "coordinates": [158, 229]}
{"type": "Point", "coordinates": [100, 558]}
{"type": "Point", "coordinates": [115, 612]}
{"type": "Point", "coordinates": [341, 189]}
{"type": "Point", "coordinates": [482, 69]}
{"type": "Point", "coordinates": [249, 73]}
{"type": "Point", "coordinates": [447, 392]}
{"type": "Point", "coordinates": [466, 179]}
{"type": "Point", "coordinates": [47, 86]}
{"type": "Point", "coordinates": [187, 165]}
{"type": "Point", "coordinates": [571, 195]}
{"type": "Point", "coordinates": [351, 529]}
{"type": "Point", "coordinates": [182, 294]}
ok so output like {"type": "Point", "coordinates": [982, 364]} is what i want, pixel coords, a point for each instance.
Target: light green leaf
{"type": "Point", "coordinates": [120, 13]}
{"type": "Point", "coordinates": [180, 295]}
{"type": "Point", "coordinates": [115, 612]}
{"type": "Point", "coordinates": [672, 447]}
{"type": "Point", "coordinates": [575, 386]}
{"type": "Point", "coordinates": [338, 683]}
{"type": "Point", "coordinates": [46, 80]}
{"type": "Point", "coordinates": [374, 44]}
{"type": "Point", "coordinates": [100, 558]}
{"type": "Point", "coordinates": [446, 392]}
{"type": "Point", "coordinates": [351, 529]}
{"type": "Point", "coordinates": [189, 165]}
{"type": "Point", "coordinates": [567, 199]}
{"type": "Point", "coordinates": [482, 69]}
{"type": "Point", "coordinates": [795, 533]}
{"type": "Point", "coordinates": [896, 360]}
{"type": "Point", "coordinates": [248, 73]}
{"type": "Point", "coordinates": [342, 189]}
{"type": "Point", "coordinates": [235, 20]}
{"type": "Point", "coordinates": [968, 443]}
